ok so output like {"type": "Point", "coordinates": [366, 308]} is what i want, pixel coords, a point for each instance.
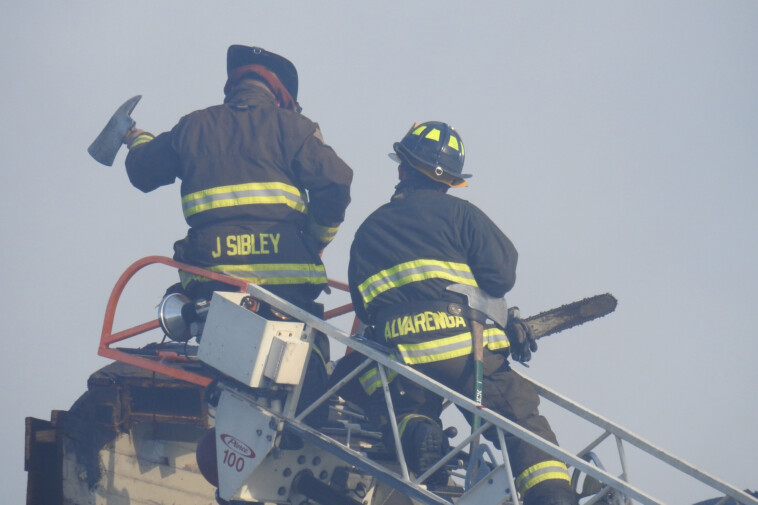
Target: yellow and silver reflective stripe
{"type": "Point", "coordinates": [254, 193]}
{"type": "Point", "coordinates": [540, 472]}
{"type": "Point", "coordinates": [412, 271]}
{"type": "Point", "coordinates": [142, 138]}
{"type": "Point", "coordinates": [266, 273]}
{"type": "Point", "coordinates": [269, 274]}
{"type": "Point", "coordinates": [450, 347]}
{"type": "Point", "coordinates": [324, 234]}
{"type": "Point", "coordinates": [495, 338]}
{"type": "Point", "coordinates": [436, 350]}
{"type": "Point", "coordinates": [371, 380]}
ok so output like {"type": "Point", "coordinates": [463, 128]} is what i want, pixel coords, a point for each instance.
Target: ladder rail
{"type": "Point", "coordinates": [375, 354]}
{"type": "Point", "coordinates": [507, 463]}
{"type": "Point", "coordinates": [356, 459]}
{"type": "Point", "coordinates": [623, 434]}
{"type": "Point", "coordinates": [368, 349]}
{"type": "Point", "coordinates": [393, 423]}
{"type": "Point", "coordinates": [501, 423]}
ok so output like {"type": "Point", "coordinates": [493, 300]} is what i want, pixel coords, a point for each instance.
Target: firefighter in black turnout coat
{"type": "Point", "coordinates": [261, 191]}
{"type": "Point", "coordinates": [402, 258]}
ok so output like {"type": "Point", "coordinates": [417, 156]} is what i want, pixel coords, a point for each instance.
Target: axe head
{"type": "Point", "coordinates": [494, 308]}
{"type": "Point", "coordinates": [106, 145]}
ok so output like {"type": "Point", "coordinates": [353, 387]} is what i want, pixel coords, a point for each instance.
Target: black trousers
{"type": "Point", "coordinates": [504, 391]}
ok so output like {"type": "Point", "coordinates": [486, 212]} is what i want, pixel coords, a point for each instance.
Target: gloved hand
{"type": "Point", "coordinates": [136, 137]}
{"type": "Point", "coordinates": [131, 135]}
{"type": "Point", "coordinates": [523, 344]}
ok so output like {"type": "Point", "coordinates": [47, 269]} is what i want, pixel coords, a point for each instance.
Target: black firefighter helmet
{"type": "Point", "coordinates": [239, 56]}
{"type": "Point", "coordinates": [436, 150]}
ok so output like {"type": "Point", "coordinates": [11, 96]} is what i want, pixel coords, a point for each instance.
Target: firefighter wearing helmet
{"type": "Point", "coordinates": [434, 149]}
{"type": "Point", "coordinates": [262, 193]}
{"type": "Point", "coordinates": [403, 257]}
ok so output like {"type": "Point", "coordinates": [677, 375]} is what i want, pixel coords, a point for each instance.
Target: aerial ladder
{"type": "Point", "coordinates": [252, 368]}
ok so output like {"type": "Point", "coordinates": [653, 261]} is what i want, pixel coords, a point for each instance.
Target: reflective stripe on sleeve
{"type": "Point", "coordinates": [323, 234]}
{"type": "Point", "coordinates": [255, 193]}
{"type": "Point", "coordinates": [142, 138]}
{"type": "Point", "coordinates": [495, 338]}
{"type": "Point", "coordinates": [413, 271]}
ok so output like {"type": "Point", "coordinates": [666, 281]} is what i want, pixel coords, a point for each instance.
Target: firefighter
{"type": "Point", "coordinates": [401, 260]}
{"type": "Point", "coordinates": [262, 193]}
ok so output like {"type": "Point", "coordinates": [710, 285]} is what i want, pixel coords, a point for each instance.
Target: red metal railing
{"type": "Point", "coordinates": [164, 366]}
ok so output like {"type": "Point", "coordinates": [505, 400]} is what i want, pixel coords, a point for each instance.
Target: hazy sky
{"type": "Point", "coordinates": [614, 142]}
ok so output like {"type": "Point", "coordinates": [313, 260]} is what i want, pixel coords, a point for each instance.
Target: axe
{"type": "Point", "coordinates": [495, 309]}
{"type": "Point", "coordinates": [106, 145]}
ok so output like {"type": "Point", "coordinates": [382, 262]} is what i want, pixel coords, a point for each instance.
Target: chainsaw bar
{"type": "Point", "coordinates": [570, 315]}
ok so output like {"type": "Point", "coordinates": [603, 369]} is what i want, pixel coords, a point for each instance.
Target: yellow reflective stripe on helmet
{"type": "Point", "coordinates": [453, 142]}
{"type": "Point", "coordinates": [254, 193]}
{"type": "Point", "coordinates": [413, 271]}
{"type": "Point", "coordinates": [269, 274]}
{"type": "Point", "coordinates": [541, 472]}
{"type": "Point", "coordinates": [434, 134]}
{"type": "Point", "coordinates": [418, 130]}
{"type": "Point", "coordinates": [324, 234]}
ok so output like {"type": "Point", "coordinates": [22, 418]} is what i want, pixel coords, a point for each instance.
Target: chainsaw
{"type": "Point", "coordinates": [570, 315]}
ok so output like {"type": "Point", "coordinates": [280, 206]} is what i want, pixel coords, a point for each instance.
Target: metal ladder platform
{"type": "Point", "coordinates": [498, 485]}
{"type": "Point", "coordinates": [500, 479]}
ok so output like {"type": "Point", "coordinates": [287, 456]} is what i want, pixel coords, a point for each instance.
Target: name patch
{"type": "Point", "coordinates": [422, 322]}
{"type": "Point", "coordinates": [247, 244]}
